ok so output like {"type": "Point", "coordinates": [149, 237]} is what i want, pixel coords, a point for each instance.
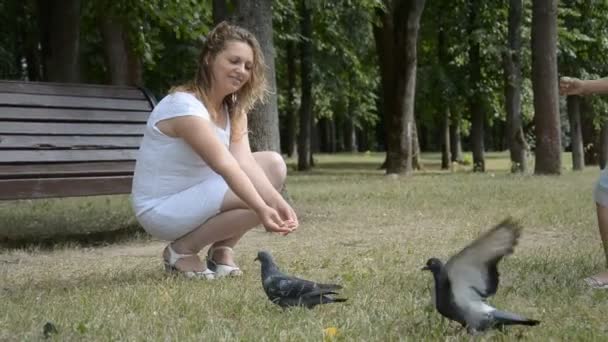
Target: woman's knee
{"type": "Point", "coordinates": [274, 166]}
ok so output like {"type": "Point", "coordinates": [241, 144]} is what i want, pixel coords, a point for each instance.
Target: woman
{"type": "Point", "coordinates": [196, 181]}
{"type": "Point", "coordinates": [575, 86]}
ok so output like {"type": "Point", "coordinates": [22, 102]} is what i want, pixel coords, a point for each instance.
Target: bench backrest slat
{"type": "Point", "coordinates": [34, 100]}
{"type": "Point", "coordinates": [67, 142]}
{"type": "Point", "coordinates": [73, 115]}
{"type": "Point", "coordinates": [51, 156]}
{"type": "Point", "coordinates": [53, 128]}
{"type": "Point", "coordinates": [56, 170]}
{"type": "Point", "coordinates": [71, 90]}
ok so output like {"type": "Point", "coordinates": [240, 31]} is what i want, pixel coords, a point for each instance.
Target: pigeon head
{"type": "Point", "coordinates": [264, 257]}
{"type": "Point", "coordinates": [268, 265]}
{"type": "Point", "coordinates": [434, 265]}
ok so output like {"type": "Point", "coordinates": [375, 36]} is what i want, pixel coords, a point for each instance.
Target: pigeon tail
{"type": "Point", "coordinates": [338, 300]}
{"type": "Point", "coordinates": [508, 318]}
{"type": "Point", "coordinates": [330, 287]}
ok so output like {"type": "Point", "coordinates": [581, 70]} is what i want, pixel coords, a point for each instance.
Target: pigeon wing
{"type": "Point", "coordinates": [289, 287]}
{"type": "Point", "coordinates": [473, 272]}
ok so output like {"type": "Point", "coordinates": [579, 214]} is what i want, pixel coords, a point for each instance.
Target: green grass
{"type": "Point", "coordinates": [369, 232]}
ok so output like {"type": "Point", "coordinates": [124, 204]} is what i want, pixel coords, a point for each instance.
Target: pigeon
{"type": "Point", "coordinates": [464, 283]}
{"type": "Point", "coordinates": [287, 291]}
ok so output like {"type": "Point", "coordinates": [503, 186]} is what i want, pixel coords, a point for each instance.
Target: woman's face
{"type": "Point", "coordinates": [232, 67]}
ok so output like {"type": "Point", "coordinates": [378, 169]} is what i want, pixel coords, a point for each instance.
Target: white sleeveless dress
{"type": "Point", "coordinates": [174, 190]}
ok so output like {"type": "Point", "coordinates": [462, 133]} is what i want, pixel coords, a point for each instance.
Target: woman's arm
{"type": "Point", "coordinates": [200, 135]}
{"type": "Point", "coordinates": [599, 86]}
{"type": "Point", "coordinates": [241, 150]}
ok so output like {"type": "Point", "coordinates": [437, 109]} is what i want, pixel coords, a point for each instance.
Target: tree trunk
{"type": "Point", "coordinates": [444, 107]}
{"type": "Point", "coordinates": [222, 10]}
{"type": "Point", "coordinates": [350, 134]}
{"type": "Point", "coordinates": [445, 139]}
{"type": "Point", "coordinates": [476, 105]}
{"type": "Point", "coordinates": [416, 163]}
{"type": "Point", "coordinates": [512, 69]}
{"type": "Point", "coordinates": [256, 16]}
{"type": "Point", "coordinates": [396, 41]}
{"type": "Point", "coordinates": [120, 59]}
{"type": "Point", "coordinates": [591, 139]}
{"type": "Point", "coordinates": [544, 85]}
{"type": "Point", "coordinates": [60, 29]}
{"type": "Point", "coordinates": [306, 103]}
{"type": "Point", "coordinates": [290, 110]}
{"type": "Point", "coordinates": [576, 135]}
{"type": "Point", "coordinates": [603, 144]}
{"type": "Point", "coordinates": [455, 141]}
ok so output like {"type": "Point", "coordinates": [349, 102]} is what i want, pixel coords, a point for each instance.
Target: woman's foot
{"type": "Point", "coordinates": [220, 259]}
{"type": "Point", "coordinates": [189, 265]}
{"type": "Point", "coordinates": [222, 255]}
{"type": "Point", "coordinates": [598, 281]}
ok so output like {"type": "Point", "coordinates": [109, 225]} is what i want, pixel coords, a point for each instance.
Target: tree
{"type": "Point", "coordinates": [544, 84]}
{"type": "Point", "coordinates": [60, 26]}
{"type": "Point", "coordinates": [476, 100]}
{"type": "Point", "coordinates": [512, 70]}
{"type": "Point", "coordinates": [396, 39]}
{"type": "Point", "coordinates": [256, 16]}
{"type": "Point", "coordinates": [123, 63]}
{"type": "Point", "coordinates": [306, 104]}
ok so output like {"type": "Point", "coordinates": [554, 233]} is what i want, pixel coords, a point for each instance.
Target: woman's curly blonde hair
{"type": "Point", "coordinates": [245, 98]}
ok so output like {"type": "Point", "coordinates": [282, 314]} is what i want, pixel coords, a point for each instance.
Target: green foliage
{"type": "Point", "coordinates": [345, 70]}
{"type": "Point", "coordinates": [164, 34]}
{"type": "Point", "coordinates": [583, 46]}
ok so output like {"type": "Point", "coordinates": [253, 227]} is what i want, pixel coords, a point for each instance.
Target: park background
{"type": "Point", "coordinates": [458, 99]}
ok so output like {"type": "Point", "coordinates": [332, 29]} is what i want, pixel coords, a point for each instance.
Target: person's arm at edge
{"type": "Point", "coordinates": [597, 86]}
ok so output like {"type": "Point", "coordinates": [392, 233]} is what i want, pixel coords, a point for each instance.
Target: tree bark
{"type": "Point", "coordinates": [60, 29]}
{"type": "Point", "coordinates": [512, 69]}
{"type": "Point", "coordinates": [603, 144]}
{"type": "Point", "coordinates": [350, 133]}
{"type": "Point", "coordinates": [576, 135]}
{"type": "Point", "coordinates": [221, 10]}
{"type": "Point", "coordinates": [455, 141]}
{"type": "Point", "coordinates": [290, 110]}
{"type": "Point", "coordinates": [544, 85]}
{"type": "Point", "coordinates": [476, 105]}
{"type": "Point", "coordinates": [396, 41]}
{"type": "Point", "coordinates": [444, 107]}
{"type": "Point", "coordinates": [256, 16]}
{"type": "Point", "coordinates": [445, 138]}
{"type": "Point", "coordinates": [121, 60]}
{"type": "Point", "coordinates": [306, 104]}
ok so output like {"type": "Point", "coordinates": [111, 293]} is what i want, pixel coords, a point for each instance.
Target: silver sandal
{"type": "Point", "coordinates": [174, 257]}
{"type": "Point", "coordinates": [222, 270]}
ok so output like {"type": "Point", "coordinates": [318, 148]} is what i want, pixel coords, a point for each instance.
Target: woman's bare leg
{"type": "Point", "coordinates": [601, 278]}
{"type": "Point", "coordinates": [233, 221]}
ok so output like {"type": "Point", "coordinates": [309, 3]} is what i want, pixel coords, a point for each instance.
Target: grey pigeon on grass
{"type": "Point", "coordinates": [286, 291]}
{"type": "Point", "coordinates": [464, 283]}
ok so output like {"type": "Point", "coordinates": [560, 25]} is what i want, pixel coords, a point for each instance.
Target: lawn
{"type": "Point", "coordinates": [369, 232]}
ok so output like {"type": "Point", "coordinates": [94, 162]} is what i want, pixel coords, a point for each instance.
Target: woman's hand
{"type": "Point", "coordinates": [272, 221]}
{"type": "Point", "coordinates": [570, 86]}
{"type": "Point", "coordinates": [286, 212]}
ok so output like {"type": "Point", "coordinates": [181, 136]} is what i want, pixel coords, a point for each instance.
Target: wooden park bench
{"type": "Point", "coordinates": [62, 140]}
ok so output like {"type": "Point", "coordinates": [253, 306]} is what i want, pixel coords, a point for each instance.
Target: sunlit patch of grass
{"type": "Point", "coordinates": [366, 231]}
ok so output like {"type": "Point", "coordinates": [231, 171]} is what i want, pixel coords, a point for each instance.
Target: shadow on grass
{"type": "Point", "coordinates": [86, 239]}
